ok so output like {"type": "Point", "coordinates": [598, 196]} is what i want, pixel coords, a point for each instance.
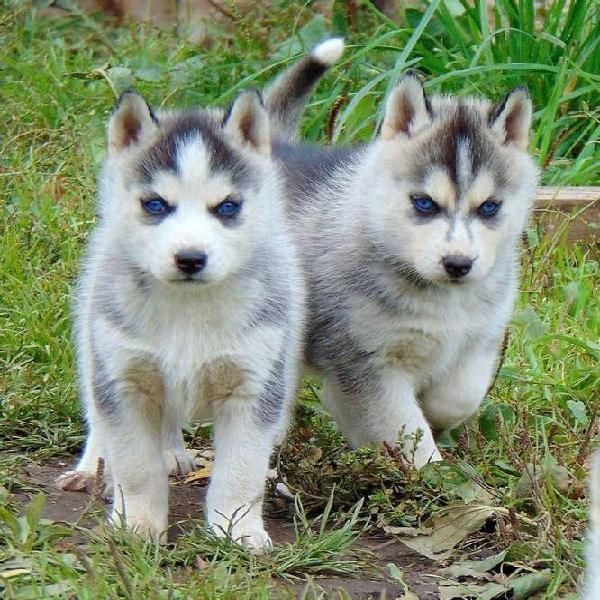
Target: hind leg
{"type": "Point", "coordinates": [177, 458]}
{"type": "Point", "coordinates": [83, 476]}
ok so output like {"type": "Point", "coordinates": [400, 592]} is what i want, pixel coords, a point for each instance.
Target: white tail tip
{"type": "Point", "coordinates": [329, 51]}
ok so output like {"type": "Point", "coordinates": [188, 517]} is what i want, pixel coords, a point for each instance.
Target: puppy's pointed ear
{"type": "Point", "coordinates": [131, 121]}
{"type": "Point", "coordinates": [247, 122]}
{"type": "Point", "coordinates": [406, 109]}
{"type": "Point", "coordinates": [510, 120]}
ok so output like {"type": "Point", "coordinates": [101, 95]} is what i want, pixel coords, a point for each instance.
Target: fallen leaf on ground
{"type": "Point", "coordinates": [476, 591]}
{"type": "Point", "coordinates": [527, 585]}
{"type": "Point", "coordinates": [478, 569]}
{"type": "Point", "coordinates": [203, 473]}
{"type": "Point", "coordinates": [450, 527]}
{"type": "Point", "coordinates": [14, 573]}
{"type": "Point", "coordinates": [407, 531]}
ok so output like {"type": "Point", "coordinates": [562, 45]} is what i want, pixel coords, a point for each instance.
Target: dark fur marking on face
{"type": "Point", "coordinates": [232, 222]}
{"type": "Point", "coordinates": [460, 125]}
{"type": "Point", "coordinates": [162, 156]}
{"type": "Point", "coordinates": [492, 223]}
{"type": "Point", "coordinates": [229, 222]}
{"type": "Point", "coordinates": [464, 127]}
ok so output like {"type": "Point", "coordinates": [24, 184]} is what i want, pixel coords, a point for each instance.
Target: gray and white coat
{"type": "Point", "coordinates": [411, 278]}
{"type": "Point", "coordinates": [190, 305]}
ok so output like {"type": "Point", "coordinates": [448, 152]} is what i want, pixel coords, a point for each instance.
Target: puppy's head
{"type": "Point", "coordinates": [452, 182]}
{"type": "Point", "coordinates": [186, 193]}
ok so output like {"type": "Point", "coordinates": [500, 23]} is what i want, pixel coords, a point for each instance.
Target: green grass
{"type": "Point", "coordinates": [59, 80]}
{"type": "Point", "coordinates": [109, 564]}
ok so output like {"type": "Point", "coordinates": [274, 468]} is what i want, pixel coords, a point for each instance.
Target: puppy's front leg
{"type": "Point", "coordinates": [395, 410]}
{"type": "Point", "coordinates": [379, 405]}
{"type": "Point", "coordinates": [131, 423]}
{"type": "Point", "coordinates": [243, 440]}
{"type": "Point", "coordinates": [459, 393]}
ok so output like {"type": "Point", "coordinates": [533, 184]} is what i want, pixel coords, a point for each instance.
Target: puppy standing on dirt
{"type": "Point", "coordinates": [411, 251]}
{"type": "Point", "coordinates": [190, 303]}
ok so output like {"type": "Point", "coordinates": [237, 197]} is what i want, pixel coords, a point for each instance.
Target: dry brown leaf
{"type": "Point", "coordinates": [485, 591]}
{"type": "Point", "coordinates": [203, 473]}
{"type": "Point", "coordinates": [14, 573]}
{"type": "Point", "coordinates": [450, 527]}
{"type": "Point", "coordinates": [408, 531]}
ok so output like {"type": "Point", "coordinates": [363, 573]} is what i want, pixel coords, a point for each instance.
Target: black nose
{"type": "Point", "coordinates": [190, 261]}
{"type": "Point", "coordinates": [457, 265]}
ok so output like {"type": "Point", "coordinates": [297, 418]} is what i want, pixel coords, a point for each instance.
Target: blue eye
{"type": "Point", "coordinates": [156, 206]}
{"type": "Point", "coordinates": [488, 209]}
{"type": "Point", "coordinates": [425, 205]}
{"type": "Point", "coordinates": [228, 208]}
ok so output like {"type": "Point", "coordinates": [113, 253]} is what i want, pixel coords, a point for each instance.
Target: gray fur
{"type": "Point", "coordinates": [105, 388]}
{"type": "Point", "coordinates": [271, 401]}
{"type": "Point", "coordinates": [180, 128]}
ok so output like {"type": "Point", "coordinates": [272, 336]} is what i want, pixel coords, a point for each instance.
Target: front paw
{"type": "Point", "coordinates": [76, 481]}
{"type": "Point", "coordinates": [420, 452]}
{"type": "Point", "coordinates": [143, 523]}
{"type": "Point", "coordinates": [246, 531]}
{"type": "Point", "coordinates": [256, 540]}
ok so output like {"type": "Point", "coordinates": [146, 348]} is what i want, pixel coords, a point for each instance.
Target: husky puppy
{"type": "Point", "coordinates": [190, 304]}
{"type": "Point", "coordinates": [259, 297]}
{"type": "Point", "coordinates": [411, 249]}
{"type": "Point", "coordinates": [592, 589]}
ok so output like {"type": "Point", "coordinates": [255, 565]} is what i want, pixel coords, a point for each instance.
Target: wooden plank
{"type": "Point", "coordinates": [577, 209]}
{"type": "Point", "coordinates": [553, 195]}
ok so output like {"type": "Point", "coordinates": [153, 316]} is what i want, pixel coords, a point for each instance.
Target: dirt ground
{"type": "Point", "coordinates": [186, 500]}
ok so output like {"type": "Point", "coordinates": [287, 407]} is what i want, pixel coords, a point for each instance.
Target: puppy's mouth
{"type": "Point", "coordinates": [188, 280]}
{"type": "Point", "coordinates": [456, 281]}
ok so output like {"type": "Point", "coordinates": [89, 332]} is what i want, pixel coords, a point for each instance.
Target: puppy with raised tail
{"type": "Point", "coordinates": [411, 251]}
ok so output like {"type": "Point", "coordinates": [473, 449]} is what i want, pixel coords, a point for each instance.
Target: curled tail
{"type": "Point", "coordinates": [285, 97]}
{"type": "Point", "coordinates": [592, 586]}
